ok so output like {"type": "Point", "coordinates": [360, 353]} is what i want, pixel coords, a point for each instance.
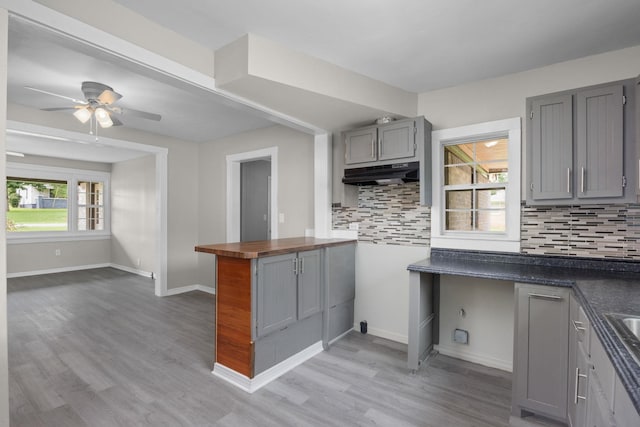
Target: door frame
{"type": "Point", "coordinates": [233, 189]}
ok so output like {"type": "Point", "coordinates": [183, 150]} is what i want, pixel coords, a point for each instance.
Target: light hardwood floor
{"type": "Point", "coordinates": [97, 348]}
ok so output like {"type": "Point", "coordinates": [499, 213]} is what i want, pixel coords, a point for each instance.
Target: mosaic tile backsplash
{"type": "Point", "coordinates": [392, 215]}
{"type": "Point", "coordinates": [593, 231]}
{"type": "Point", "coordinates": [388, 214]}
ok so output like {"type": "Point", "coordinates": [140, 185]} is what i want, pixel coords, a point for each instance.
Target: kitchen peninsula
{"type": "Point", "coordinates": [278, 303]}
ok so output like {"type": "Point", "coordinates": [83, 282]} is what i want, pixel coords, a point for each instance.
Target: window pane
{"type": "Point", "coordinates": [36, 205]}
{"type": "Point", "coordinates": [491, 221]}
{"type": "Point", "coordinates": [459, 199]}
{"type": "Point", "coordinates": [459, 221]}
{"type": "Point", "coordinates": [90, 205]}
{"type": "Point", "coordinates": [459, 174]}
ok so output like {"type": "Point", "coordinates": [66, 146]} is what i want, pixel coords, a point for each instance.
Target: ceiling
{"type": "Point", "coordinates": [417, 45]}
{"type": "Point", "coordinates": [46, 60]}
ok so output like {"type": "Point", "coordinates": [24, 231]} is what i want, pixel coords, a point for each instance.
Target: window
{"type": "Point", "coordinates": [49, 203]}
{"type": "Point", "coordinates": [476, 187]}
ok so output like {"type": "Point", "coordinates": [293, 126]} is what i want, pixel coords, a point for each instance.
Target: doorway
{"type": "Point", "coordinates": [255, 200]}
{"type": "Point", "coordinates": [234, 194]}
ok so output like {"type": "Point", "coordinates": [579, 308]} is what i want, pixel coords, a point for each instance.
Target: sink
{"type": "Point", "coordinates": [633, 324]}
{"type": "Point", "coordinates": [627, 327]}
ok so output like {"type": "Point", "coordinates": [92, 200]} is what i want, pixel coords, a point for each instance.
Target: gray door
{"type": "Point", "coordinates": [309, 283]}
{"type": "Point", "coordinates": [360, 146]}
{"type": "Point", "coordinates": [255, 200]}
{"type": "Point", "coordinates": [551, 148]}
{"type": "Point", "coordinates": [396, 141]}
{"type": "Point", "coordinates": [600, 142]}
{"type": "Point", "coordinates": [277, 301]}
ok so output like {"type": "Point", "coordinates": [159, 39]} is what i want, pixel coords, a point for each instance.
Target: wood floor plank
{"type": "Point", "coordinates": [97, 347]}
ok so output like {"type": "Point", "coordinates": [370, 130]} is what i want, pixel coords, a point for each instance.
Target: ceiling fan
{"type": "Point", "coordinates": [98, 102]}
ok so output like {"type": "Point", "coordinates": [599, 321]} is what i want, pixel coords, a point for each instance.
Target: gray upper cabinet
{"type": "Point", "coordinates": [551, 148]}
{"type": "Point", "coordinates": [309, 283]}
{"type": "Point", "coordinates": [391, 141]}
{"type": "Point", "coordinates": [361, 146]}
{"type": "Point", "coordinates": [541, 351]}
{"type": "Point", "coordinates": [396, 141]}
{"type": "Point", "coordinates": [580, 146]}
{"type": "Point", "coordinates": [599, 142]}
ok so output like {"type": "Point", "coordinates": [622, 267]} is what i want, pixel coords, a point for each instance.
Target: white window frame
{"type": "Point", "coordinates": [72, 176]}
{"type": "Point", "coordinates": [509, 241]}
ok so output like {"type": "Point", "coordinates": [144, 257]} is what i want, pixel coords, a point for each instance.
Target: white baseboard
{"type": "Point", "coordinates": [339, 337]}
{"type": "Point", "coordinates": [480, 359]}
{"type": "Point", "coordinates": [189, 288]}
{"type": "Point", "coordinates": [132, 270]}
{"type": "Point", "coordinates": [252, 384]}
{"type": "Point", "coordinates": [57, 270]}
{"type": "Point", "coordinates": [403, 339]}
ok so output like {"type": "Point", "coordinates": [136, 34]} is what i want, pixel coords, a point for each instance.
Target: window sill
{"type": "Point", "coordinates": [52, 237]}
{"type": "Point", "coordinates": [476, 243]}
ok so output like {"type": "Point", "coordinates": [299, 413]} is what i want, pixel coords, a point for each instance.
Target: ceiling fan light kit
{"type": "Point", "coordinates": [98, 104]}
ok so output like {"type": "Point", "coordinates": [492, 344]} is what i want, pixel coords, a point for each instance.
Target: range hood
{"type": "Point", "coordinates": [396, 173]}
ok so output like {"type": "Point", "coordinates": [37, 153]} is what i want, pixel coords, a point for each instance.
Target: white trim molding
{"type": "Point", "coordinates": [233, 189]}
{"type": "Point", "coordinates": [57, 270]}
{"type": "Point", "coordinates": [480, 359]}
{"type": "Point", "coordinates": [253, 384]}
{"type": "Point", "coordinates": [503, 242]}
{"type": "Point", "coordinates": [189, 288]}
{"type": "Point", "coordinates": [131, 270]}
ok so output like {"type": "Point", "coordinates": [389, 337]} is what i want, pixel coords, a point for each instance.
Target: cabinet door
{"type": "Point", "coordinates": [541, 350]}
{"type": "Point", "coordinates": [360, 146]}
{"type": "Point", "coordinates": [276, 293]}
{"type": "Point", "coordinates": [551, 148]}
{"type": "Point", "coordinates": [396, 141]}
{"type": "Point", "coordinates": [309, 283]}
{"type": "Point", "coordinates": [579, 385]}
{"type": "Point", "coordinates": [600, 142]}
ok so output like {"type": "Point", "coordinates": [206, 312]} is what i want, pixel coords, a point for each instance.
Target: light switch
{"type": "Point", "coordinates": [281, 218]}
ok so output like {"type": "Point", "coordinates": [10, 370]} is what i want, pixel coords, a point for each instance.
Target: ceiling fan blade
{"type": "Point", "coordinates": [60, 109]}
{"type": "Point", "coordinates": [108, 97]}
{"type": "Point", "coordinates": [136, 113]}
{"type": "Point", "coordinates": [77, 101]}
{"type": "Point", "coordinates": [115, 120]}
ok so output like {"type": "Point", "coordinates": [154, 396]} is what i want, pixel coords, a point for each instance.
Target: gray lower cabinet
{"type": "Point", "coordinates": [540, 351]}
{"type": "Point", "coordinates": [340, 291]}
{"type": "Point", "coordinates": [289, 289]}
{"type": "Point", "coordinates": [579, 336]}
{"type": "Point", "coordinates": [581, 146]}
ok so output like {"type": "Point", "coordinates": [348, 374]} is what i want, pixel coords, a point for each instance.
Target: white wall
{"type": "Point", "coordinates": [489, 306]}
{"type": "Point", "coordinates": [295, 189]}
{"type": "Point", "coordinates": [382, 288]}
{"type": "Point", "coordinates": [182, 216]}
{"type": "Point", "coordinates": [133, 214]}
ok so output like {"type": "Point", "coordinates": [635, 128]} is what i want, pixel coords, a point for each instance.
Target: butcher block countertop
{"type": "Point", "coordinates": [262, 248]}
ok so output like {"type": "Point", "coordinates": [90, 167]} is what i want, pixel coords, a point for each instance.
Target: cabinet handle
{"type": "Point", "coordinates": [373, 148]}
{"type": "Point", "coordinates": [582, 180]}
{"type": "Point", "coordinates": [295, 266]}
{"type": "Point", "coordinates": [301, 265]}
{"type": "Point", "coordinates": [568, 180]}
{"type": "Point", "coordinates": [576, 395]}
{"type": "Point", "coordinates": [578, 328]}
{"type": "Point", "coordinates": [379, 147]}
{"type": "Point", "coordinates": [543, 296]}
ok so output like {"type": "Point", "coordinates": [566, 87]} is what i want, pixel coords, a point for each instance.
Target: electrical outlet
{"type": "Point", "coordinates": [354, 226]}
{"type": "Point", "coordinates": [461, 336]}
{"type": "Point", "coordinates": [58, 252]}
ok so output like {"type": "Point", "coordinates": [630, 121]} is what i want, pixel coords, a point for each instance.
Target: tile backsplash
{"type": "Point", "coordinates": [388, 214]}
{"type": "Point", "coordinates": [593, 231]}
{"type": "Point", "coordinates": [392, 215]}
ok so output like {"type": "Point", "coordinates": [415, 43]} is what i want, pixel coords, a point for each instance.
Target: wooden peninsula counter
{"type": "Point", "coordinates": [278, 303]}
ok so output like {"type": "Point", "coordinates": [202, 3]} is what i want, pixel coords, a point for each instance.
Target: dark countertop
{"type": "Point", "coordinates": [602, 287]}
{"type": "Point", "coordinates": [258, 249]}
